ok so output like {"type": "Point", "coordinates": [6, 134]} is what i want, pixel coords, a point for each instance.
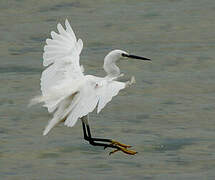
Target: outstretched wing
{"type": "Point", "coordinates": [107, 92]}
{"type": "Point", "coordinates": [61, 55]}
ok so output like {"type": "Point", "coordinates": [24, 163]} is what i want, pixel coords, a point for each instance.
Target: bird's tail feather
{"type": "Point", "coordinates": [36, 100]}
{"type": "Point", "coordinates": [64, 108]}
{"type": "Point", "coordinates": [50, 125]}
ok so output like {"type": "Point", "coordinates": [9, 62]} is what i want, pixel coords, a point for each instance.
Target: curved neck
{"type": "Point", "coordinates": [110, 66]}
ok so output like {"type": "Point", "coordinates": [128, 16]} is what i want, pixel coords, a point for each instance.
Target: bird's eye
{"type": "Point", "coordinates": [124, 55]}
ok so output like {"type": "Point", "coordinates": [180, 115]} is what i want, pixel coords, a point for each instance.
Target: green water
{"type": "Point", "coordinates": [168, 115]}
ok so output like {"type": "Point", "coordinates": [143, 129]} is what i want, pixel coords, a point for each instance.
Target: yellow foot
{"type": "Point", "coordinates": [125, 150]}
{"type": "Point", "coordinates": [120, 144]}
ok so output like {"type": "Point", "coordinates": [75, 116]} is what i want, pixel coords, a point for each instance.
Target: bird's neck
{"type": "Point", "coordinates": [110, 67]}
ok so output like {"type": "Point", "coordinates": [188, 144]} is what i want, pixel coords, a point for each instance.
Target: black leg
{"type": "Point", "coordinates": [88, 137]}
{"type": "Point", "coordinates": [112, 144]}
{"type": "Point", "coordinates": [96, 139]}
{"type": "Point", "coordinates": [84, 130]}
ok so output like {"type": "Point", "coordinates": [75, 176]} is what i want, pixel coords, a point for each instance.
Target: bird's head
{"type": "Point", "coordinates": [111, 59]}
{"type": "Point", "coordinates": [120, 54]}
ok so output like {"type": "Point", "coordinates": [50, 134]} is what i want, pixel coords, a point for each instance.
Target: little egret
{"type": "Point", "coordinates": [69, 94]}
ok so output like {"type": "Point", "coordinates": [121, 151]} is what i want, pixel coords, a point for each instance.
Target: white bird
{"type": "Point", "coordinates": [69, 94]}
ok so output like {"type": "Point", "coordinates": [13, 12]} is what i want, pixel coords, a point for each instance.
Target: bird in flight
{"type": "Point", "coordinates": [69, 94]}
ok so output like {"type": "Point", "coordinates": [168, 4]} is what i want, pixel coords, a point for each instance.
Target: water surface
{"type": "Point", "coordinates": [168, 115]}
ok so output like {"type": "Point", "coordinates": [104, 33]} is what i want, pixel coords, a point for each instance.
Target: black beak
{"type": "Point", "coordinates": [135, 57]}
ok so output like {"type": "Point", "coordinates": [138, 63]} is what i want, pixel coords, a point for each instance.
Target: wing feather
{"type": "Point", "coordinates": [69, 30]}
{"type": "Point", "coordinates": [61, 55]}
{"type": "Point", "coordinates": [83, 100]}
{"type": "Point", "coordinates": [87, 102]}
{"type": "Point", "coordinates": [107, 92]}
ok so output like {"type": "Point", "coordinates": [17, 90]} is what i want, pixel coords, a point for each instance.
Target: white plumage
{"type": "Point", "coordinates": [66, 91]}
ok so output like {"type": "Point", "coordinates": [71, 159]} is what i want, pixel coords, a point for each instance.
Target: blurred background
{"type": "Point", "coordinates": [168, 115]}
